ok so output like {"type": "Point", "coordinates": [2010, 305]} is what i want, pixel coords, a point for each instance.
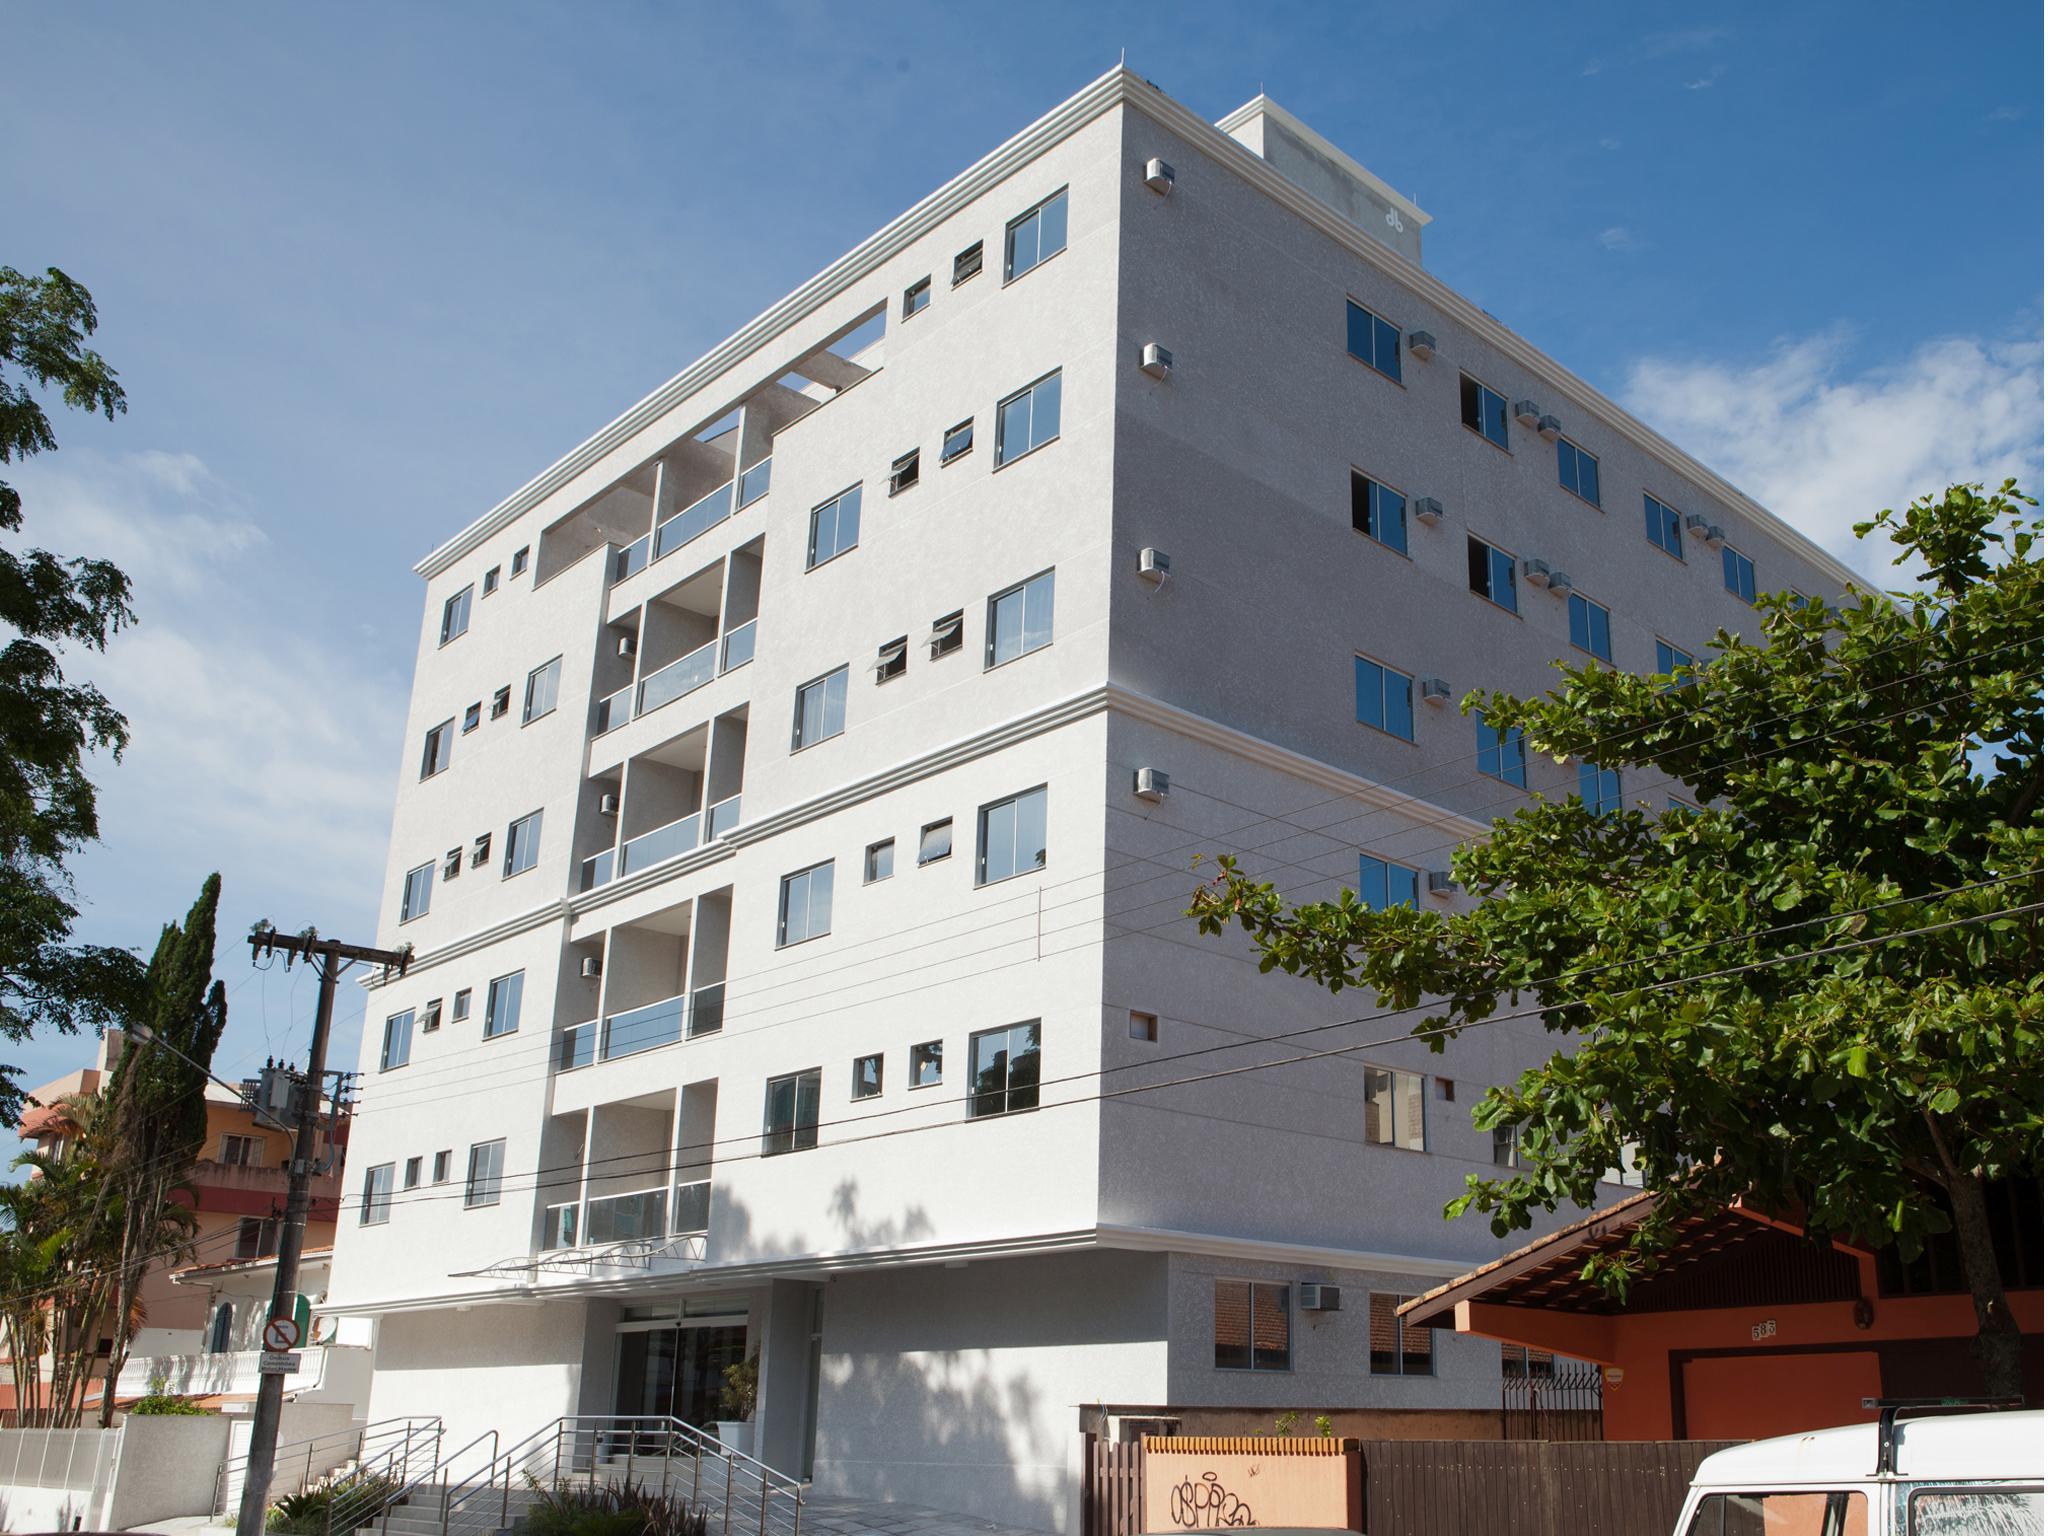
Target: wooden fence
{"type": "Point", "coordinates": [1454, 1487]}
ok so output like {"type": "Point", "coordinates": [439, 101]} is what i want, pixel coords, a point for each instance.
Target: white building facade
{"type": "Point", "coordinates": [799, 796]}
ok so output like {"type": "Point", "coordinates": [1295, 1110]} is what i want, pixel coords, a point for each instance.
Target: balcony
{"type": "Point", "coordinates": [739, 647]}
{"type": "Point", "coordinates": [646, 1028]}
{"type": "Point", "coordinates": [754, 483]}
{"type": "Point", "coordinates": [614, 710]}
{"type": "Point", "coordinates": [636, 1217]}
{"type": "Point", "coordinates": [665, 842]}
{"type": "Point", "coordinates": [693, 522]}
{"type": "Point", "coordinates": [722, 818]}
{"type": "Point", "coordinates": [684, 675]}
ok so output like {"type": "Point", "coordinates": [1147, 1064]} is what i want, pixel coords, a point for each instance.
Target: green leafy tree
{"type": "Point", "coordinates": [1821, 992]}
{"type": "Point", "coordinates": [155, 1123]}
{"type": "Point", "coordinates": [49, 723]}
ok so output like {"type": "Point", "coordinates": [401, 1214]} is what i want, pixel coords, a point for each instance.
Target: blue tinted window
{"type": "Point", "coordinates": [1599, 789]}
{"type": "Point", "coordinates": [1028, 419]}
{"type": "Point", "coordinates": [1661, 527]}
{"type": "Point", "coordinates": [835, 527]}
{"type": "Point", "coordinates": [1590, 628]}
{"type": "Point", "coordinates": [1385, 698]}
{"type": "Point", "coordinates": [1501, 754]}
{"type": "Point", "coordinates": [1738, 574]}
{"type": "Point", "coordinates": [1490, 572]}
{"type": "Point", "coordinates": [1483, 410]}
{"type": "Point", "coordinates": [1578, 471]}
{"type": "Point", "coordinates": [1379, 513]}
{"type": "Point", "coordinates": [1382, 885]}
{"type": "Point", "coordinates": [1372, 340]}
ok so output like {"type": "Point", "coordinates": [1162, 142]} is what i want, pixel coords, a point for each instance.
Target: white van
{"type": "Point", "coordinates": [1974, 1474]}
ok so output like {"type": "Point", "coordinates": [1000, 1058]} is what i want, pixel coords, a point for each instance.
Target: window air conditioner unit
{"type": "Point", "coordinates": [1528, 412]}
{"type": "Point", "coordinates": [1441, 884]}
{"type": "Point", "coordinates": [1321, 1298]}
{"type": "Point", "coordinates": [1537, 571]}
{"type": "Point", "coordinates": [592, 968]}
{"type": "Point", "coordinates": [1696, 526]}
{"type": "Point", "coordinates": [1715, 536]}
{"type": "Point", "coordinates": [1549, 428]}
{"type": "Point", "coordinates": [1427, 509]}
{"type": "Point", "coordinates": [1560, 583]}
{"type": "Point", "coordinates": [1422, 344]}
{"type": "Point", "coordinates": [1150, 784]}
{"type": "Point", "coordinates": [1155, 361]}
{"type": "Point", "coordinates": [607, 804]}
{"type": "Point", "coordinates": [1435, 691]}
{"type": "Point", "coordinates": [627, 646]}
{"type": "Point", "coordinates": [1159, 176]}
{"type": "Point", "coordinates": [1153, 566]}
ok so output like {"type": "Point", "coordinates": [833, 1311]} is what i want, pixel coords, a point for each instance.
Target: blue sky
{"type": "Point", "coordinates": [365, 269]}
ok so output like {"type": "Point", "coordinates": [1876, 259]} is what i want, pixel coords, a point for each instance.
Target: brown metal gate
{"type": "Point", "coordinates": [1560, 1403]}
{"type": "Point", "coordinates": [1455, 1487]}
{"type": "Point", "coordinates": [1528, 1487]}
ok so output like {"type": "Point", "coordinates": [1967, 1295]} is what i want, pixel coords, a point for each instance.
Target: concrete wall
{"type": "Point", "coordinates": [505, 1367]}
{"type": "Point", "coordinates": [963, 1388]}
{"type": "Point", "coordinates": [166, 1469]}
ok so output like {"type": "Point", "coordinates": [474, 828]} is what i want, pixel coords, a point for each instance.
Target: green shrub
{"type": "Point", "coordinates": [306, 1513]}
{"type": "Point", "coordinates": [164, 1405]}
{"type": "Point", "coordinates": [622, 1510]}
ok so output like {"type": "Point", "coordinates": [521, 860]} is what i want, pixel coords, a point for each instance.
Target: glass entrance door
{"type": "Point", "coordinates": [676, 1372]}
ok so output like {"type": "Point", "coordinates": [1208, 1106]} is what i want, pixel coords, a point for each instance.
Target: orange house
{"type": "Point", "coordinates": [235, 1190]}
{"type": "Point", "coordinates": [1750, 1328]}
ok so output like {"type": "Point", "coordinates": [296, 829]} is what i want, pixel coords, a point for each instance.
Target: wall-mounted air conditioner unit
{"type": "Point", "coordinates": [1435, 691]}
{"type": "Point", "coordinates": [1151, 784]}
{"type": "Point", "coordinates": [1537, 571]}
{"type": "Point", "coordinates": [1560, 583]}
{"type": "Point", "coordinates": [1154, 565]}
{"type": "Point", "coordinates": [1159, 176]}
{"type": "Point", "coordinates": [1549, 428]}
{"type": "Point", "coordinates": [1696, 526]}
{"type": "Point", "coordinates": [1528, 412]}
{"type": "Point", "coordinates": [1441, 884]}
{"type": "Point", "coordinates": [607, 804]}
{"type": "Point", "coordinates": [1321, 1298]}
{"type": "Point", "coordinates": [1427, 509]}
{"type": "Point", "coordinates": [1422, 344]}
{"type": "Point", "coordinates": [1715, 536]}
{"type": "Point", "coordinates": [627, 646]}
{"type": "Point", "coordinates": [592, 968]}
{"type": "Point", "coordinates": [1155, 360]}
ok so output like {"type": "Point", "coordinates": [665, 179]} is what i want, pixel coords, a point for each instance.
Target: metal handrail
{"type": "Point", "coordinates": [767, 1483]}
{"type": "Point", "coordinates": [399, 1427]}
{"type": "Point", "coordinates": [342, 1514]}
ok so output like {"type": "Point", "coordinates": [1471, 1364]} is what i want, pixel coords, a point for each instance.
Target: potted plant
{"type": "Point", "coordinates": [736, 1404]}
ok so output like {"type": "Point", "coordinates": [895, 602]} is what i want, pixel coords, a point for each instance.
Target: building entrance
{"type": "Point", "coordinates": [677, 1371]}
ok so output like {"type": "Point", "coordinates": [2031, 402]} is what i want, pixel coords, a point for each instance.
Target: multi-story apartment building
{"type": "Point", "coordinates": [798, 800]}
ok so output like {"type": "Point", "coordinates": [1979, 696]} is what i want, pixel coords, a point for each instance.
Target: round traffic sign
{"type": "Point", "coordinates": [280, 1334]}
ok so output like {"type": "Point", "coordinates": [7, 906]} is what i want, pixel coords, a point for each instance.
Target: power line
{"type": "Point", "coordinates": [508, 1062]}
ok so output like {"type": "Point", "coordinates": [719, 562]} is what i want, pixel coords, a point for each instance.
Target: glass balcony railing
{"type": "Point", "coordinates": [722, 817]}
{"type": "Point", "coordinates": [622, 1218]}
{"type": "Point", "coordinates": [577, 1046]}
{"type": "Point", "coordinates": [598, 870]}
{"type": "Point", "coordinates": [558, 1227]}
{"type": "Point", "coordinates": [698, 518]}
{"type": "Point", "coordinates": [754, 483]}
{"type": "Point", "coordinates": [645, 1028]}
{"type": "Point", "coordinates": [685, 675]}
{"type": "Point", "coordinates": [739, 647]}
{"type": "Point", "coordinates": [693, 1209]}
{"type": "Point", "coordinates": [707, 1010]}
{"type": "Point", "coordinates": [614, 710]}
{"type": "Point", "coordinates": [631, 559]}
{"type": "Point", "coordinates": [665, 842]}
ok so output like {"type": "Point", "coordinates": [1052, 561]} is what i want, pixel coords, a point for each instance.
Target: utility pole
{"type": "Point", "coordinates": [332, 958]}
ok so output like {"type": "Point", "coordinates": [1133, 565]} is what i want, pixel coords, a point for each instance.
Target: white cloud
{"type": "Point", "coordinates": [1619, 237]}
{"type": "Point", "coordinates": [1825, 447]}
{"type": "Point", "coordinates": [258, 746]}
{"type": "Point", "coordinates": [1704, 82]}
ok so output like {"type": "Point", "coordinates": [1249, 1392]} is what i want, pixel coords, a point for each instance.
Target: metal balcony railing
{"type": "Point", "coordinates": [598, 870]}
{"type": "Point", "coordinates": [695, 520]}
{"type": "Point", "coordinates": [722, 817]}
{"type": "Point", "coordinates": [739, 646]}
{"type": "Point", "coordinates": [754, 483]}
{"type": "Point", "coordinates": [613, 710]}
{"type": "Point", "coordinates": [577, 1046]}
{"type": "Point", "coordinates": [684, 675]}
{"type": "Point", "coordinates": [646, 1028]}
{"type": "Point", "coordinates": [664, 842]}
{"type": "Point", "coordinates": [626, 1218]}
